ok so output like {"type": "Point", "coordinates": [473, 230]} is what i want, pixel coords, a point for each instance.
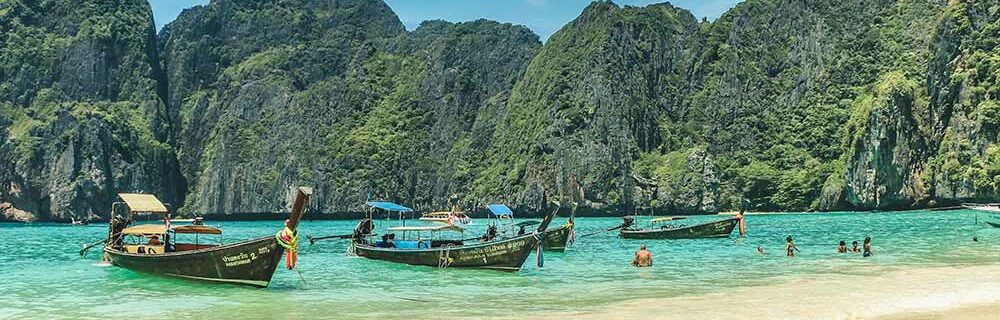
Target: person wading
{"type": "Point", "coordinates": [868, 247]}
{"type": "Point", "coordinates": [643, 258]}
{"type": "Point", "coordinates": [790, 247]}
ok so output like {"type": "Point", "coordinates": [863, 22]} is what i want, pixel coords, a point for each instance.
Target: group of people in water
{"type": "Point", "coordinates": [644, 258]}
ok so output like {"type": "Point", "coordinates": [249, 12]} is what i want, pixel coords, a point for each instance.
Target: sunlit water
{"type": "Point", "coordinates": [43, 275]}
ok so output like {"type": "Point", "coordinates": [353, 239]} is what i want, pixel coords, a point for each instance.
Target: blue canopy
{"type": "Point", "coordinates": [500, 210]}
{"type": "Point", "coordinates": [389, 206]}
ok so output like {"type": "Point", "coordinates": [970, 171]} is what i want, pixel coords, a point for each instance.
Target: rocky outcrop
{"type": "Point", "coordinates": [80, 89]}
{"type": "Point", "coordinates": [349, 103]}
{"type": "Point", "coordinates": [816, 105]}
{"type": "Point", "coordinates": [591, 100]}
{"type": "Point", "coordinates": [887, 150]}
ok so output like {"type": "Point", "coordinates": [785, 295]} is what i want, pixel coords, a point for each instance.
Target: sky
{"type": "Point", "coordinates": [544, 17]}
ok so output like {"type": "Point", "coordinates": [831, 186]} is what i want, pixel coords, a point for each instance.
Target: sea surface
{"type": "Point", "coordinates": [43, 276]}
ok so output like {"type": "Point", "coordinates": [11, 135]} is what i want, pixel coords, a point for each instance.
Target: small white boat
{"type": "Point", "coordinates": [451, 218]}
{"type": "Point", "coordinates": [985, 207]}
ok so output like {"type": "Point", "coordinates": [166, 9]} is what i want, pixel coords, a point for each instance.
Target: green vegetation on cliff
{"type": "Point", "coordinates": [817, 105]}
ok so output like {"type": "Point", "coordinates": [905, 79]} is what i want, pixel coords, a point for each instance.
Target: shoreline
{"type": "Point", "coordinates": [955, 292]}
{"type": "Point", "coordinates": [357, 215]}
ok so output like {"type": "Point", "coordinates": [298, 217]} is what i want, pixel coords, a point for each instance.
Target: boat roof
{"type": "Point", "coordinates": [500, 210]}
{"type": "Point", "coordinates": [427, 228]}
{"type": "Point", "coordinates": [150, 229]}
{"type": "Point", "coordinates": [145, 229]}
{"type": "Point", "coordinates": [662, 219]}
{"type": "Point", "coordinates": [528, 223]}
{"type": "Point", "coordinates": [444, 213]}
{"type": "Point", "coordinates": [138, 202]}
{"type": "Point", "coordinates": [385, 205]}
{"type": "Point", "coordinates": [196, 229]}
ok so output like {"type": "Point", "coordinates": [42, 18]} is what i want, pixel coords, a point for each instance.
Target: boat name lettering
{"type": "Point", "coordinates": [243, 257]}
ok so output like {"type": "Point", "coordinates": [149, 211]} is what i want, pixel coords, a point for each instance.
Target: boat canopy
{"type": "Point", "coordinates": [389, 206]}
{"type": "Point", "coordinates": [443, 214]}
{"type": "Point", "coordinates": [528, 223]}
{"type": "Point", "coordinates": [664, 219]}
{"type": "Point", "coordinates": [500, 210]}
{"type": "Point", "coordinates": [143, 203]}
{"type": "Point", "coordinates": [427, 228]}
{"type": "Point", "coordinates": [145, 229]}
{"type": "Point", "coordinates": [196, 229]}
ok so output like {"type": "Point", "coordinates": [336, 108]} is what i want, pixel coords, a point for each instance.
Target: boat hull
{"type": "Point", "coordinates": [714, 229]}
{"type": "Point", "coordinates": [993, 224]}
{"type": "Point", "coordinates": [556, 239]}
{"type": "Point", "coordinates": [506, 255]}
{"type": "Point", "coordinates": [250, 262]}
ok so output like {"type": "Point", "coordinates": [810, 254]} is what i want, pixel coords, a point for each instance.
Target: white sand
{"type": "Point", "coordinates": [925, 293]}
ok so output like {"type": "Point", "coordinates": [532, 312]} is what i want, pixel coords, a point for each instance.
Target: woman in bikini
{"type": "Point", "coordinates": [790, 247]}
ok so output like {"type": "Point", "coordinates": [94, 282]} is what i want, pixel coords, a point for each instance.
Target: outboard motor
{"type": "Point", "coordinates": [363, 229]}
{"type": "Point", "coordinates": [627, 222]}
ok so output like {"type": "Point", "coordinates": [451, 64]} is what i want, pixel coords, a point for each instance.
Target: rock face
{"type": "Point", "coordinates": [81, 109]}
{"type": "Point", "coordinates": [591, 102]}
{"type": "Point", "coordinates": [796, 105]}
{"type": "Point", "coordinates": [341, 99]}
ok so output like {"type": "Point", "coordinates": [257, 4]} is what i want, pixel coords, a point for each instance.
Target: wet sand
{"type": "Point", "coordinates": [925, 293]}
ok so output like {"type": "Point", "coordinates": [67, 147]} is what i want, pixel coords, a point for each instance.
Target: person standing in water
{"type": "Point", "coordinates": [855, 248]}
{"type": "Point", "coordinates": [868, 247]}
{"type": "Point", "coordinates": [643, 258]}
{"type": "Point", "coordinates": [790, 247]}
{"type": "Point", "coordinates": [842, 247]}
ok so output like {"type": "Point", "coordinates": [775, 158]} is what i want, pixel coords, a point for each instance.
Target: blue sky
{"type": "Point", "coordinates": [544, 17]}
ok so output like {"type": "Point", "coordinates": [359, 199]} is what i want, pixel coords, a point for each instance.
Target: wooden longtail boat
{"type": "Point", "coordinates": [250, 262]}
{"type": "Point", "coordinates": [714, 229]}
{"type": "Point", "coordinates": [490, 252]}
{"type": "Point", "coordinates": [555, 239]}
{"type": "Point", "coordinates": [993, 224]}
{"type": "Point", "coordinates": [455, 218]}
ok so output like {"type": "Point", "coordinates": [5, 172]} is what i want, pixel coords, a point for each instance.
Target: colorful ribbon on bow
{"type": "Point", "coordinates": [289, 240]}
{"type": "Point", "coordinates": [541, 260]}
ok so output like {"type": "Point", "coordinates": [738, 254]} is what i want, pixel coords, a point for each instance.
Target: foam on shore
{"type": "Point", "coordinates": [929, 292]}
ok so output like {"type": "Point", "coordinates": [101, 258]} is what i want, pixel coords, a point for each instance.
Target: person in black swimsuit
{"type": "Point", "coordinates": [868, 247]}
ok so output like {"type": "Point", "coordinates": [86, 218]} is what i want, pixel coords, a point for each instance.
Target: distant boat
{"type": "Point", "coordinates": [553, 239]}
{"type": "Point", "coordinates": [659, 229]}
{"type": "Point", "coordinates": [993, 224]}
{"type": "Point", "coordinates": [985, 207]}
{"type": "Point", "coordinates": [75, 222]}
{"type": "Point", "coordinates": [454, 218]}
{"type": "Point", "coordinates": [250, 262]}
{"type": "Point", "coordinates": [427, 247]}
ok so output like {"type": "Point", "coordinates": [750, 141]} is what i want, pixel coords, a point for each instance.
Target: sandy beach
{"type": "Point", "coordinates": [925, 293]}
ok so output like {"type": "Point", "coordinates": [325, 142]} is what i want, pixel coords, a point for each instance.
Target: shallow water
{"type": "Point", "coordinates": [44, 277]}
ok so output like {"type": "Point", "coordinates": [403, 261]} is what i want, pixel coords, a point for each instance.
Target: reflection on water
{"type": "Point", "coordinates": [41, 266]}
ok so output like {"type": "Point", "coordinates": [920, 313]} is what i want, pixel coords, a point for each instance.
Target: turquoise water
{"type": "Point", "coordinates": [44, 277]}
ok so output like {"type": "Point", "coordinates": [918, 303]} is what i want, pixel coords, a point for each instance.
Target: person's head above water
{"type": "Point", "coordinates": [788, 239]}
{"type": "Point", "coordinates": [642, 247]}
{"type": "Point", "coordinates": [843, 243]}
{"type": "Point", "coordinates": [868, 239]}
{"type": "Point", "coordinates": [855, 243]}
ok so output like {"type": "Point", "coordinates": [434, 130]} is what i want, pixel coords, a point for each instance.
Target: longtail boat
{"type": "Point", "coordinates": [453, 218]}
{"type": "Point", "coordinates": [984, 207]}
{"type": "Point", "coordinates": [713, 229]}
{"type": "Point", "coordinates": [993, 224]}
{"type": "Point", "coordinates": [156, 249]}
{"type": "Point", "coordinates": [553, 239]}
{"type": "Point", "coordinates": [415, 247]}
